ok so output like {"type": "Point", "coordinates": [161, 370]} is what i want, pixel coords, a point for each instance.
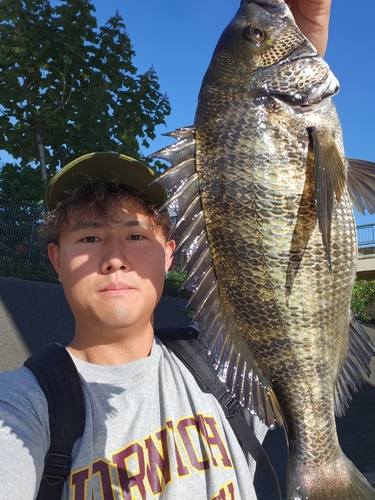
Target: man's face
{"type": "Point", "coordinates": [112, 275]}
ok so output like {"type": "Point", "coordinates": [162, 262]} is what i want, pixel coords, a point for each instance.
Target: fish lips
{"type": "Point", "coordinates": [317, 96]}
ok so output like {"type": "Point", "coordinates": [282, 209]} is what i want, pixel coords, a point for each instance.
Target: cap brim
{"type": "Point", "coordinates": [104, 167]}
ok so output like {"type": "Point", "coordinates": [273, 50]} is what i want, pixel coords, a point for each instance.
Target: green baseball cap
{"type": "Point", "coordinates": [104, 167]}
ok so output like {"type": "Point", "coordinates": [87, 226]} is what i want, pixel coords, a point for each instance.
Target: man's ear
{"type": "Point", "coordinates": [169, 249]}
{"type": "Point", "coordinates": [54, 257]}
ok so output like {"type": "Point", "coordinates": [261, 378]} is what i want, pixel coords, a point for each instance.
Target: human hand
{"type": "Point", "coordinates": [312, 17]}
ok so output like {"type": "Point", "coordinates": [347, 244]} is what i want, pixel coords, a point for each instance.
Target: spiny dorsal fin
{"type": "Point", "coordinates": [175, 176]}
{"type": "Point", "coordinates": [237, 368]}
{"type": "Point", "coordinates": [239, 371]}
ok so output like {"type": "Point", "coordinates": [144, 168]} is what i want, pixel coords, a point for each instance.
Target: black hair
{"type": "Point", "coordinates": [102, 199]}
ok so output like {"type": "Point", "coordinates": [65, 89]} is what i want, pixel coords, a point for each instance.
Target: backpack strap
{"type": "Point", "coordinates": [58, 377]}
{"type": "Point", "coordinates": [184, 344]}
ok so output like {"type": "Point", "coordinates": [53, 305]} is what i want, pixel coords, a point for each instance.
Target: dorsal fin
{"type": "Point", "coordinates": [230, 356]}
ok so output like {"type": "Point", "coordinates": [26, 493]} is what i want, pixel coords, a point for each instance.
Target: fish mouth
{"type": "Point", "coordinates": [316, 98]}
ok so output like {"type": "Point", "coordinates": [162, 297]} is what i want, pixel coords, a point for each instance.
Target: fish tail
{"type": "Point", "coordinates": [337, 480]}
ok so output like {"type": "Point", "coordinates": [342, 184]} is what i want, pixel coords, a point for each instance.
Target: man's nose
{"type": "Point", "coordinates": [114, 257]}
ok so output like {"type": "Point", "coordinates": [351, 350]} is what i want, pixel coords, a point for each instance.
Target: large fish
{"type": "Point", "coordinates": [262, 188]}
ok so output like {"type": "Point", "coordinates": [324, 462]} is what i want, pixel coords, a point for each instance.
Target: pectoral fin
{"type": "Point", "coordinates": [330, 181]}
{"type": "Point", "coordinates": [361, 184]}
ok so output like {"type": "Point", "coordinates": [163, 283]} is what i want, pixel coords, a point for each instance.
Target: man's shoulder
{"type": "Point", "coordinates": [20, 387]}
{"type": "Point", "coordinates": [19, 376]}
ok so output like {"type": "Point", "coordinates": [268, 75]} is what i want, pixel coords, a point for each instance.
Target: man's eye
{"type": "Point", "coordinates": [90, 239]}
{"type": "Point", "coordinates": [135, 237]}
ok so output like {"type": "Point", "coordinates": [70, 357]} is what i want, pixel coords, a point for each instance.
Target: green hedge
{"type": "Point", "coordinates": [173, 284]}
{"type": "Point", "coordinates": [362, 297]}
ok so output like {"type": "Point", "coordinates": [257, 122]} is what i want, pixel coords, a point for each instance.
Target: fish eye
{"type": "Point", "coordinates": [254, 34]}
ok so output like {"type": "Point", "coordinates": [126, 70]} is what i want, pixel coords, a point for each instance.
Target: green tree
{"type": "Point", "coordinates": [363, 296]}
{"type": "Point", "coordinates": [21, 184]}
{"type": "Point", "coordinates": [67, 87]}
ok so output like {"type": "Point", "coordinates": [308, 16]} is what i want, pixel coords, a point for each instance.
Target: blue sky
{"type": "Point", "coordinates": [178, 39]}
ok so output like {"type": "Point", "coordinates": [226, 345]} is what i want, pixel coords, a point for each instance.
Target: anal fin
{"type": "Point", "coordinates": [361, 350]}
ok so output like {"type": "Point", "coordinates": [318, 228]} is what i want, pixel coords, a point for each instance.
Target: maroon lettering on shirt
{"type": "Point", "coordinates": [158, 464]}
{"type": "Point", "coordinates": [127, 478]}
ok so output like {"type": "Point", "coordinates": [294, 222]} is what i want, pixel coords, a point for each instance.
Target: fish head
{"type": "Point", "coordinates": [262, 52]}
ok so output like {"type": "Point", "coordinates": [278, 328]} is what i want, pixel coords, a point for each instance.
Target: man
{"type": "Point", "coordinates": [150, 432]}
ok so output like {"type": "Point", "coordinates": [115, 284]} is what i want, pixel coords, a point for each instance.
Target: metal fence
{"type": "Point", "coordinates": [366, 235]}
{"type": "Point", "coordinates": [20, 254]}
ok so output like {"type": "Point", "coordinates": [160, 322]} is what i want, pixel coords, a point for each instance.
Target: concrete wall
{"type": "Point", "coordinates": [366, 271]}
{"type": "Point", "coordinates": [366, 264]}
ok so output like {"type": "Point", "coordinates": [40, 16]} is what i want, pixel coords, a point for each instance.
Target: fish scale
{"type": "Point", "coordinates": [273, 216]}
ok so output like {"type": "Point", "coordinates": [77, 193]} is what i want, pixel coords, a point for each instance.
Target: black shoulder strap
{"type": "Point", "coordinates": [182, 342]}
{"type": "Point", "coordinates": [58, 377]}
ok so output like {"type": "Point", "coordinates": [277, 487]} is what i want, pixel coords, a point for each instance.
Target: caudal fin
{"type": "Point", "coordinates": [339, 480]}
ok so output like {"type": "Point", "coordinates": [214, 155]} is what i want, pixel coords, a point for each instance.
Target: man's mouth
{"type": "Point", "coordinates": [116, 287]}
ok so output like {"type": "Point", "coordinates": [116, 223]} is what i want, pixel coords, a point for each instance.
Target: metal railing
{"type": "Point", "coordinates": [366, 235]}
{"type": "Point", "coordinates": [20, 254]}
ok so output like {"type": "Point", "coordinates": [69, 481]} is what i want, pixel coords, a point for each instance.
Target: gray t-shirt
{"type": "Point", "coordinates": [150, 433]}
